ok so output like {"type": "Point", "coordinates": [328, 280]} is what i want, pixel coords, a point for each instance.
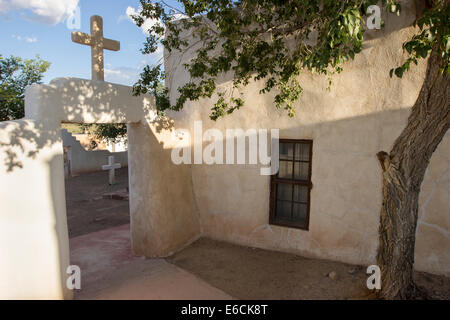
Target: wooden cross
{"type": "Point", "coordinates": [111, 166]}
{"type": "Point", "coordinates": [97, 43]}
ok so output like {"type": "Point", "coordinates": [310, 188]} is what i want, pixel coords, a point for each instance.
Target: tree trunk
{"type": "Point", "coordinates": [403, 172]}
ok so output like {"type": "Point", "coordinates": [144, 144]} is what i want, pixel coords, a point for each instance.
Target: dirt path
{"type": "Point", "coordinates": [87, 211]}
{"type": "Point", "coordinates": [253, 274]}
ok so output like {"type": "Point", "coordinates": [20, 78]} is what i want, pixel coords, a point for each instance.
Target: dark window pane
{"type": "Point", "coordinates": [284, 192]}
{"type": "Point", "coordinates": [299, 213]}
{"type": "Point", "coordinates": [284, 210]}
{"type": "Point", "coordinates": [289, 202]}
{"type": "Point", "coordinates": [301, 193]}
{"type": "Point", "coordinates": [285, 170]}
{"type": "Point", "coordinates": [302, 151]}
{"type": "Point", "coordinates": [286, 151]}
{"type": "Point", "coordinates": [301, 170]}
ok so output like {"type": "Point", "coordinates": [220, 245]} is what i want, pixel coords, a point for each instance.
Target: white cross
{"type": "Point", "coordinates": [111, 166]}
{"type": "Point", "coordinates": [97, 43]}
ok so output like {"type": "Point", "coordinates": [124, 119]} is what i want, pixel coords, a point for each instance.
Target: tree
{"type": "Point", "coordinates": [404, 167]}
{"type": "Point", "coordinates": [16, 75]}
{"type": "Point", "coordinates": [274, 41]}
{"type": "Point", "coordinates": [110, 132]}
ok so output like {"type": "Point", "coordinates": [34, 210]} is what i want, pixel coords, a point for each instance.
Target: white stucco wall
{"type": "Point", "coordinates": [33, 229]}
{"type": "Point", "coordinates": [34, 243]}
{"type": "Point", "coordinates": [362, 114]}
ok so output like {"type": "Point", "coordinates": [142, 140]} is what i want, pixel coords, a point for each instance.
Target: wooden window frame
{"type": "Point", "coordinates": [308, 183]}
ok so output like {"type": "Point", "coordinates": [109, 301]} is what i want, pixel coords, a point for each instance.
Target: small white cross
{"type": "Point", "coordinates": [97, 43]}
{"type": "Point", "coordinates": [111, 166]}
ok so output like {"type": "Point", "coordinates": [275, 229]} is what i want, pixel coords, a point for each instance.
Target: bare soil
{"type": "Point", "coordinates": [255, 274]}
{"type": "Point", "coordinates": [90, 206]}
{"type": "Point", "coordinates": [242, 272]}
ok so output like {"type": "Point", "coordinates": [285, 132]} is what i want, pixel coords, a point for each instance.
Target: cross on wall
{"type": "Point", "coordinates": [97, 43]}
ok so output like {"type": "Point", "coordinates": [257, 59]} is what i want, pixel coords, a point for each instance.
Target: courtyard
{"type": "Point", "coordinates": [207, 269]}
{"type": "Point", "coordinates": [247, 150]}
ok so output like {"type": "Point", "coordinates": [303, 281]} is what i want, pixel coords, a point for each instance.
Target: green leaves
{"type": "Point", "coordinates": [270, 41]}
{"type": "Point", "coordinates": [107, 131]}
{"type": "Point", "coordinates": [16, 74]}
{"type": "Point", "coordinates": [434, 31]}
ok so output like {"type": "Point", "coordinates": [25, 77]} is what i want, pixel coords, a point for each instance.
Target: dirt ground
{"type": "Point", "coordinates": [87, 210]}
{"type": "Point", "coordinates": [254, 274]}
{"type": "Point", "coordinates": [241, 272]}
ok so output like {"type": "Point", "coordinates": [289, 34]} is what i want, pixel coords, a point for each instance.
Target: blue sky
{"type": "Point", "coordinates": [30, 27]}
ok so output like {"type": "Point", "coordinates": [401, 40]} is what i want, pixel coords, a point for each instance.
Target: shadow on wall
{"type": "Point", "coordinates": [233, 200]}
{"type": "Point", "coordinates": [77, 101]}
{"type": "Point", "coordinates": [411, 9]}
{"type": "Point", "coordinates": [81, 160]}
{"type": "Point", "coordinates": [60, 225]}
{"type": "Point", "coordinates": [68, 100]}
{"type": "Point", "coordinates": [33, 235]}
{"type": "Point", "coordinates": [33, 217]}
{"type": "Point", "coordinates": [24, 137]}
{"type": "Point", "coordinates": [31, 153]}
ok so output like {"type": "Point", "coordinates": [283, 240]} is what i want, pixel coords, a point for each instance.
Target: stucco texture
{"type": "Point", "coordinates": [364, 113]}
{"type": "Point", "coordinates": [33, 226]}
{"type": "Point", "coordinates": [163, 215]}
{"type": "Point", "coordinates": [33, 223]}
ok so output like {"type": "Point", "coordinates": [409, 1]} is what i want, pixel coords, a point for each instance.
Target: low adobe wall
{"type": "Point", "coordinates": [82, 161]}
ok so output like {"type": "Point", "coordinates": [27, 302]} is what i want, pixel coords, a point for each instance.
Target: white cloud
{"type": "Point", "coordinates": [43, 11]}
{"type": "Point", "coordinates": [129, 75]}
{"type": "Point", "coordinates": [122, 75]}
{"type": "Point", "coordinates": [147, 24]}
{"type": "Point", "coordinates": [26, 38]}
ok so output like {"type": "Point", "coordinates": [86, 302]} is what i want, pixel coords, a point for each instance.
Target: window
{"type": "Point", "coordinates": [291, 187]}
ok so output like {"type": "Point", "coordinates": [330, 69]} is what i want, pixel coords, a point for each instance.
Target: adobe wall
{"type": "Point", "coordinates": [33, 227]}
{"type": "Point", "coordinates": [34, 240]}
{"type": "Point", "coordinates": [362, 114]}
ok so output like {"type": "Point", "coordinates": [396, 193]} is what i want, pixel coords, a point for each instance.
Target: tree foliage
{"type": "Point", "coordinates": [272, 41]}
{"type": "Point", "coordinates": [16, 74]}
{"type": "Point", "coordinates": [110, 132]}
{"type": "Point", "coordinates": [434, 30]}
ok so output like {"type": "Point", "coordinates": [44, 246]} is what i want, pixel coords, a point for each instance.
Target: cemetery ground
{"type": "Point", "coordinates": [207, 269]}
{"type": "Point", "coordinates": [93, 205]}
